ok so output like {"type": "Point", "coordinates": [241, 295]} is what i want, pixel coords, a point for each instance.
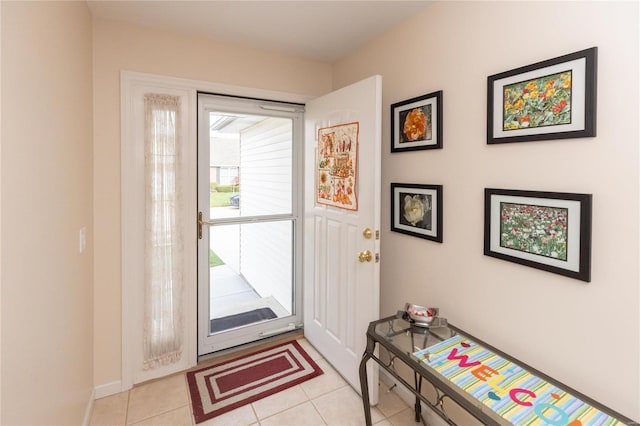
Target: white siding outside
{"type": "Point", "coordinates": [266, 251]}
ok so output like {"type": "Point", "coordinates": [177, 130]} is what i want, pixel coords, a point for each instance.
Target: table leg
{"type": "Point", "coordinates": [364, 387]}
{"type": "Point", "coordinates": [418, 405]}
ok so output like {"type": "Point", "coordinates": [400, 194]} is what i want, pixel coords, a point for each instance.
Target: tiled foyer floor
{"type": "Point", "coordinates": [323, 400]}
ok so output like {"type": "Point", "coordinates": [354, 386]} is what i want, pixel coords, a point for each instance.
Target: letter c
{"type": "Point", "coordinates": [513, 394]}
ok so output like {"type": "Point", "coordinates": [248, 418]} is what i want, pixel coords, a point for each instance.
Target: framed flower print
{"type": "Point", "coordinates": [416, 123]}
{"type": "Point", "coordinates": [552, 99]}
{"type": "Point", "coordinates": [417, 210]}
{"type": "Point", "coordinates": [544, 230]}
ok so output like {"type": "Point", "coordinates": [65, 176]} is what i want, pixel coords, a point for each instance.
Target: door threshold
{"type": "Point", "coordinates": [224, 354]}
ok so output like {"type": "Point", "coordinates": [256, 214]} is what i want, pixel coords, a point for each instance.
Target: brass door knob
{"type": "Point", "coordinates": [365, 256]}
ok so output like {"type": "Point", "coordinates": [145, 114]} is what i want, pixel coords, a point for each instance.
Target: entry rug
{"type": "Point", "coordinates": [506, 388]}
{"type": "Point", "coordinates": [231, 384]}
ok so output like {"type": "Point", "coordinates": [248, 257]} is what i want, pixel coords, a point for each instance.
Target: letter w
{"type": "Point", "coordinates": [462, 358]}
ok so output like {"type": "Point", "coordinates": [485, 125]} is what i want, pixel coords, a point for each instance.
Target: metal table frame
{"type": "Point", "coordinates": [443, 387]}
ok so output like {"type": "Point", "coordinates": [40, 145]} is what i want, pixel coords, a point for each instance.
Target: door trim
{"type": "Point", "coordinates": [133, 243]}
{"type": "Point", "coordinates": [132, 251]}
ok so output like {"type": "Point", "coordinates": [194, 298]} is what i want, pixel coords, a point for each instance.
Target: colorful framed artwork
{"type": "Point", "coordinates": [417, 210]}
{"type": "Point", "coordinates": [552, 99]}
{"type": "Point", "coordinates": [417, 123]}
{"type": "Point", "coordinates": [544, 230]}
{"type": "Point", "coordinates": [337, 166]}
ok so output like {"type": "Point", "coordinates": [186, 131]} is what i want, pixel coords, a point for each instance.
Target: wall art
{"type": "Point", "coordinates": [417, 210]}
{"type": "Point", "coordinates": [337, 166]}
{"type": "Point", "coordinates": [552, 99]}
{"type": "Point", "coordinates": [417, 123]}
{"type": "Point", "coordinates": [545, 230]}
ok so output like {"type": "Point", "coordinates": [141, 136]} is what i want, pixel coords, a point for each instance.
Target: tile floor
{"type": "Point", "coordinates": [323, 400]}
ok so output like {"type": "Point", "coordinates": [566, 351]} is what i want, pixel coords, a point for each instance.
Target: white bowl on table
{"type": "Point", "coordinates": [422, 315]}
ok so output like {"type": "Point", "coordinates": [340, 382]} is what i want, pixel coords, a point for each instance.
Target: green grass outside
{"type": "Point", "coordinates": [220, 199]}
{"type": "Point", "coordinates": [214, 260]}
{"type": "Point", "coordinates": [214, 187]}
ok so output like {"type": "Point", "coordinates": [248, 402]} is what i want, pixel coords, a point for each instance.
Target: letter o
{"type": "Point", "coordinates": [563, 420]}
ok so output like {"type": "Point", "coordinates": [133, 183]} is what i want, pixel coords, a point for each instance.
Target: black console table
{"type": "Point", "coordinates": [402, 340]}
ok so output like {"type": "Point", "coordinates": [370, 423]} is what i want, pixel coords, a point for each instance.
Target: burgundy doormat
{"type": "Point", "coordinates": [231, 384]}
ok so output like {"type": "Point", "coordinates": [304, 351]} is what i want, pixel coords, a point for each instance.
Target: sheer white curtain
{"type": "Point", "coordinates": [163, 286]}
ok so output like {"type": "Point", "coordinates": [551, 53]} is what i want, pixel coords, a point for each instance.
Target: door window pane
{"type": "Point", "coordinates": [250, 269]}
{"type": "Point", "coordinates": [251, 162]}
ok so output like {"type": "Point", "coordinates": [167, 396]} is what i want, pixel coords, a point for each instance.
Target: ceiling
{"type": "Point", "coordinates": [323, 31]}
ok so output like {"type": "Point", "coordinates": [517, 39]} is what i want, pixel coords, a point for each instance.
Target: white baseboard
{"type": "Point", "coordinates": [108, 389]}
{"type": "Point", "coordinates": [89, 410]}
{"type": "Point", "coordinates": [429, 415]}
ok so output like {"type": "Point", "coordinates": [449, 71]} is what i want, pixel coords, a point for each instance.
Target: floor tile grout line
{"type": "Point", "coordinates": [189, 401]}
{"type": "Point", "coordinates": [319, 413]}
{"type": "Point", "coordinates": [281, 411]}
{"type": "Point", "coordinates": [303, 402]}
{"type": "Point", "coordinates": [126, 410]}
{"type": "Point", "coordinates": [188, 404]}
{"type": "Point", "coordinates": [328, 392]}
{"type": "Point", "coordinates": [255, 413]}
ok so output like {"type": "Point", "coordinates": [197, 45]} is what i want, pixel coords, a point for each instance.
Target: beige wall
{"type": "Point", "coordinates": [584, 334]}
{"type": "Point", "coordinates": [47, 297]}
{"type": "Point", "coordinates": [554, 323]}
{"type": "Point", "coordinates": [119, 47]}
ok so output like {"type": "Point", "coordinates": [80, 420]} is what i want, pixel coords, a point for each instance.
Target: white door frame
{"type": "Point", "coordinates": [207, 102]}
{"type": "Point", "coordinates": [133, 228]}
{"type": "Point", "coordinates": [132, 244]}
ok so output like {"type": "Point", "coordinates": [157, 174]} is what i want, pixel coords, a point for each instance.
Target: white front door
{"type": "Point", "coordinates": [342, 223]}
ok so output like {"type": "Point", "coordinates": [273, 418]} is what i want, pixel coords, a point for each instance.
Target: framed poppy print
{"type": "Point", "coordinates": [552, 99]}
{"type": "Point", "coordinates": [544, 230]}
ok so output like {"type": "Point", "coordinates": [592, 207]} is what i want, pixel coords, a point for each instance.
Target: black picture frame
{"type": "Point", "coordinates": [416, 210]}
{"type": "Point", "coordinates": [550, 231]}
{"type": "Point", "coordinates": [552, 99]}
{"type": "Point", "coordinates": [416, 123]}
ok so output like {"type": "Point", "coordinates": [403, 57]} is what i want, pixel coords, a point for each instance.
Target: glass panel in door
{"type": "Point", "coordinates": [250, 278]}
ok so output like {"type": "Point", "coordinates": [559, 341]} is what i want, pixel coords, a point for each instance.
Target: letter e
{"type": "Point", "coordinates": [483, 372]}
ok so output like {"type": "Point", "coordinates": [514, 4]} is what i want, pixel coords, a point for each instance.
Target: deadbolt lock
{"type": "Point", "coordinates": [367, 233]}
